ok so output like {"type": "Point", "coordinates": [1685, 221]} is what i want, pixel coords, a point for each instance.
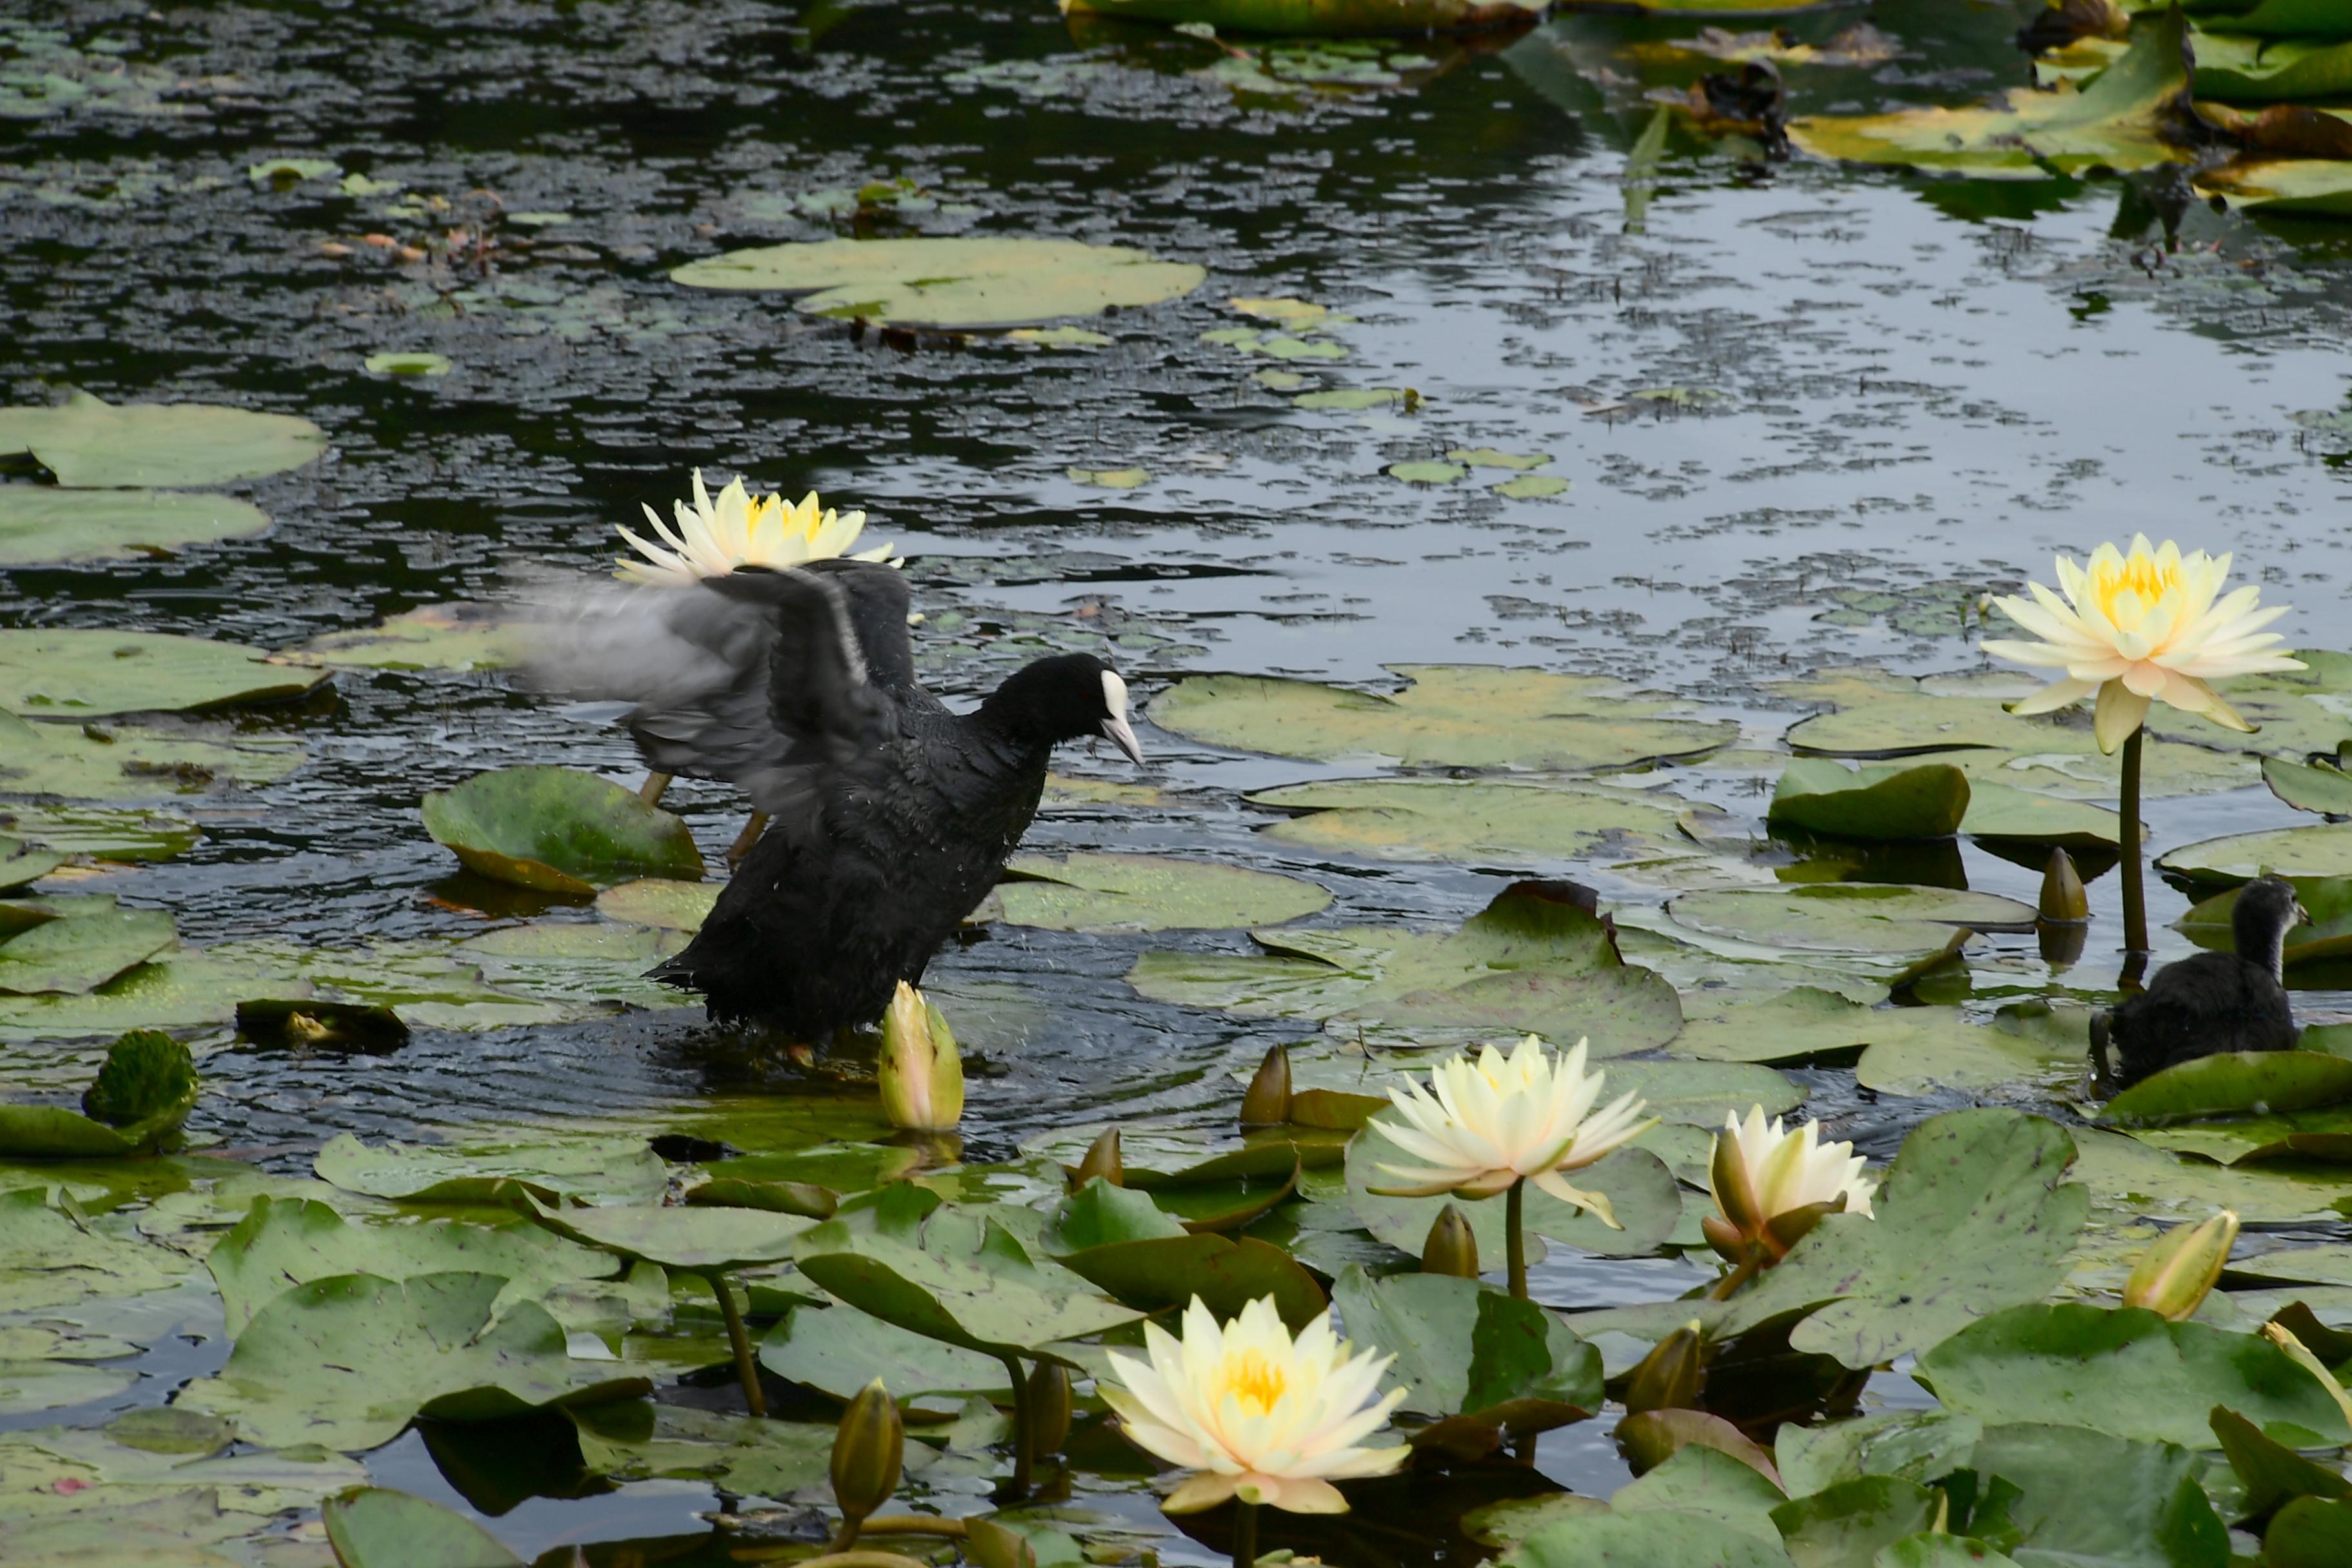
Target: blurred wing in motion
{"type": "Point", "coordinates": [757, 676]}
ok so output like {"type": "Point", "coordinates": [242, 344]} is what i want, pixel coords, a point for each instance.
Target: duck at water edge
{"type": "Point", "coordinates": [2211, 1002]}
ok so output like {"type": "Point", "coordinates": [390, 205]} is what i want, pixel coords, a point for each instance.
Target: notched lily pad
{"type": "Point", "coordinates": [90, 444]}
{"type": "Point", "coordinates": [1094, 893]}
{"type": "Point", "coordinates": [559, 830]}
{"type": "Point", "coordinates": [966, 283]}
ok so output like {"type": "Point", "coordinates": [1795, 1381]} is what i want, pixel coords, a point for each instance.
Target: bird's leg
{"type": "Point", "coordinates": [745, 839]}
{"type": "Point", "coordinates": [2103, 1072]}
{"type": "Point", "coordinates": [651, 790]}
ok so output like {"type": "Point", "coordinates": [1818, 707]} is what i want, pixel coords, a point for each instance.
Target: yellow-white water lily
{"type": "Point", "coordinates": [1263, 1416]}
{"type": "Point", "coordinates": [734, 529]}
{"type": "Point", "coordinates": [920, 1070]}
{"type": "Point", "coordinates": [1483, 1125]}
{"type": "Point", "coordinates": [1772, 1184]}
{"type": "Point", "coordinates": [2142, 625]}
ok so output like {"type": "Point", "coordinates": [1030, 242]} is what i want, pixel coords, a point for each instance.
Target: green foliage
{"type": "Point", "coordinates": [559, 830]}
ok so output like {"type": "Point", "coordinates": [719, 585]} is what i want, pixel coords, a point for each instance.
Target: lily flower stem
{"type": "Point", "coordinates": [913, 1524]}
{"type": "Point", "coordinates": [1721, 1290]}
{"type": "Point", "coordinates": [1515, 1239]}
{"type": "Point", "coordinates": [2134, 891]}
{"type": "Point", "coordinates": [1245, 1533]}
{"type": "Point", "coordinates": [1022, 1435]}
{"type": "Point", "coordinates": [651, 790]}
{"type": "Point", "coordinates": [746, 1368]}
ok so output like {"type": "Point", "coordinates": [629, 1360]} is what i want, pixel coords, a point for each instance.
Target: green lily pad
{"type": "Point", "coordinates": [696, 1239]}
{"type": "Point", "coordinates": [20, 863]}
{"type": "Point", "coordinates": [1089, 892]}
{"type": "Point", "coordinates": [2232, 1081]}
{"type": "Point", "coordinates": [69, 761]}
{"type": "Point", "coordinates": [54, 673]}
{"type": "Point", "coordinates": [2291, 852]}
{"type": "Point", "coordinates": [1532, 487]}
{"type": "Point", "coordinates": [1640, 1189]}
{"type": "Point", "coordinates": [1121, 1243]}
{"type": "Point", "coordinates": [1975, 1215]}
{"type": "Point", "coordinates": [1532, 960]}
{"type": "Point", "coordinates": [81, 953]}
{"type": "Point", "coordinates": [286, 171]}
{"type": "Point", "coordinates": [1655, 1538]}
{"type": "Point", "coordinates": [129, 1486]}
{"type": "Point", "coordinates": [1861, 918]}
{"type": "Point", "coordinates": [285, 1242]}
{"type": "Point", "coordinates": [182, 989]}
{"type": "Point", "coordinates": [595, 1171]}
{"type": "Point", "coordinates": [836, 1349]}
{"type": "Point", "coordinates": [141, 1096]}
{"type": "Point", "coordinates": [50, 1256]}
{"type": "Point", "coordinates": [2003, 811]}
{"type": "Point", "coordinates": [743, 1455]}
{"type": "Point", "coordinates": [346, 1362]}
{"type": "Point", "coordinates": [1928, 1049]}
{"type": "Point", "coordinates": [2127, 1371]}
{"type": "Point", "coordinates": [1450, 716]}
{"type": "Point", "coordinates": [1426, 472]}
{"type": "Point", "coordinates": [2309, 787]}
{"type": "Point", "coordinates": [371, 1527]}
{"type": "Point", "coordinates": [1458, 819]}
{"type": "Point", "coordinates": [2312, 187]}
{"type": "Point", "coordinates": [96, 831]}
{"type": "Point", "coordinates": [88, 444]}
{"type": "Point", "coordinates": [2232, 67]}
{"type": "Point", "coordinates": [1855, 1521]}
{"type": "Point", "coordinates": [2308, 1533]}
{"type": "Point", "coordinates": [1816, 794]}
{"type": "Point", "coordinates": [457, 636]}
{"type": "Point", "coordinates": [40, 525]}
{"type": "Point", "coordinates": [559, 830]}
{"type": "Point", "coordinates": [26, 1387]}
{"type": "Point", "coordinates": [573, 963]}
{"type": "Point", "coordinates": [2119, 122]}
{"type": "Point", "coordinates": [1464, 1347]}
{"type": "Point", "coordinates": [1488, 458]}
{"type": "Point", "coordinates": [965, 283]}
{"type": "Point", "coordinates": [2134, 1176]}
{"type": "Point", "coordinates": [1109, 479]}
{"type": "Point", "coordinates": [1060, 338]}
{"type": "Point", "coordinates": [1356, 400]}
{"type": "Point", "coordinates": [407, 363]}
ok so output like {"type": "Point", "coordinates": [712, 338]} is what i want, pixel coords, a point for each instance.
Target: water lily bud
{"type": "Point", "coordinates": [1452, 1247]}
{"type": "Point", "coordinates": [1049, 1407]}
{"type": "Point", "coordinates": [867, 1451]}
{"type": "Point", "coordinates": [2063, 899]}
{"type": "Point", "coordinates": [991, 1545]}
{"type": "Point", "coordinates": [1102, 1160]}
{"type": "Point", "coordinates": [922, 1072]}
{"type": "Point", "coordinates": [1268, 1103]}
{"type": "Point", "coordinates": [2173, 1276]}
{"type": "Point", "coordinates": [1668, 1378]}
{"type": "Point", "coordinates": [1773, 1183]}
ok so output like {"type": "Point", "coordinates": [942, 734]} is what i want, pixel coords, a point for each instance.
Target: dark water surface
{"type": "Point", "coordinates": [1897, 395]}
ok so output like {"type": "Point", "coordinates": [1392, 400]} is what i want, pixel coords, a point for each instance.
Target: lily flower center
{"type": "Point", "coordinates": [2128, 589]}
{"type": "Point", "coordinates": [1252, 1378]}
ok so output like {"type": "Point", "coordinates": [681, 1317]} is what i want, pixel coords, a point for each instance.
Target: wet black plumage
{"type": "Point", "coordinates": [2214, 1001]}
{"type": "Point", "coordinates": [889, 817]}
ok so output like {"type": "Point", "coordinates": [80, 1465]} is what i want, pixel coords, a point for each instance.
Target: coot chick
{"type": "Point", "coordinates": [2214, 1001]}
{"type": "Point", "coordinates": [889, 817]}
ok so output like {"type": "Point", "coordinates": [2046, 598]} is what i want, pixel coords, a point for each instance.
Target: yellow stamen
{"type": "Point", "coordinates": [1253, 1379]}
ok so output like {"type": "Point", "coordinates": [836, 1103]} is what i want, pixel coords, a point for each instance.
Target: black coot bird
{"type": "Point", "coordinates": [2214, 1001]}
{"type": "Point", "coordinates": [889, 817]}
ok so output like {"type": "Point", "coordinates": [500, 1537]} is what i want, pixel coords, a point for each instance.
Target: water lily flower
{"type": "Point", "coordinates": [1262, 1417]}
{"type": "Point", "coordinates": [1484, 1126]}
{"type": "Point", "coordinates": [1773, 1183]}
{"type": "Point", "coordinates": [921, 1073]}
{"type": "Point", "coordinates": [2140, 626]}
{"type": "Point", "coordinates": [734, 529]}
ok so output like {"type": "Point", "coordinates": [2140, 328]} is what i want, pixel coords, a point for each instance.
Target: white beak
{"type": "Point", "coordinates": [1123, 733]}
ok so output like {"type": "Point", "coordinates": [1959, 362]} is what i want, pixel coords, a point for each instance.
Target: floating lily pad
{"type": "Point", "coordinates": [1818, 795]}
{"type": "Point", "coordinates": [1426, 472]}
{"type": "Point", "coordinates": [457, 636]}
{"type": "Point", "coordinates": [1109, 479]}
{"type": "Point", "coordinates": [371, 1527]}
{"type": "Point", "coordinates": [1060, 338]}
{"type": "Point", "coordinates": [346, 1362]}
{"type": "Point", "coordinates": [1923, 1049]}
{"type": "Point", "coordinates": [404, 362]}
{"type": "Point", "coordinates": [106, 834]}
{"type": "Point", "coordinates": [48, 672]}
{"type": "Point", "coordinates": [1489, 457]}
{"type": "Point", "coordinates": [1862, 919]}
{"type": "Point", "coordinates": [2232, 67]}
{"type": "Point", "coordinates": [697, 1239]}
{"type": "Point", "coordinates": [1147, 893]}
{"type": "Point", "coordinates": [2003, 811]}
{"type": "Point", "coordinates": [82, 952]}
{"type": "Point", "coordinates": [26, 1387]}
{"type": "Point", "coordinates": [50, 1256]}
{"type": "Point", "coordinates": [181, 989]}
{"type": "Point", "coordinates": [2119, 122]}
{"type": "Point", "coordinates": [2313, 187]}
{"type": "Point", "coordinates": [567, 966]}
{"type": "Point", "coordinates": [2134, 1175]}
{"type": "Point", "coordinates": [143, 1093]}
{"type": "Point", "coordinates": [596, 1170]}
{"type": "Point", "coordinates": [39, 524]}
{"type": "Point", "coordinates": [1121, 1243]}
{"type": "Point", "coordinates": [2293, 852]}
{"type": "Point", "coordinates": [741, 1454]}
{"type": "Point", "coordinates": [20, 863]}
{"type": "Point", "coordinates": [1455, 1338]}
{"type": "Point", "coordinates": [1654, 1538]}
{"type": "Point", "coordinates": [968, 283]}
{"type": "Point", "coordinates": [1450, 716]}
{"type": "Point", "coordinates": [2232, 1081]}
{"type": "Point", "coordinates": [836, 1349]}
{"type": "Point", "coordinates": [1432, 819]}
{"type": "Point", "coordinates": [2310, 787]}
{"type": "Point", "coordinates": [2128, 1371]}
{"type": "Point", "coordinates": [659, 901]}
{"type": "Point", "coordinates": [559, 830]}
{"type": "Point", "coordinates": [83, 761]}
{"type": "Point", "coordinates": [285, 1242]}
{"type": "Point", "coordinates": [1532, 487]}
{"type": "Point", "coordinates": [1356, 400]}
{"type": "Point", "coordinates": [1532, 960]}
{"type": "Point", "coordinates": [284, 172]}
{"type": "Point", "coordinates": [86, 443]}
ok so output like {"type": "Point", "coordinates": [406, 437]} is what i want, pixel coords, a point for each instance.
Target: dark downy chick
{"type": "Point", "coordinates": [2214, 1001]}
{"type": "Point", "coordinates": [889, 817]}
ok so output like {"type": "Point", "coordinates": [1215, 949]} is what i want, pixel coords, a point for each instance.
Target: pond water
{"type": "Point", "coordinates": [1809, 414]}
